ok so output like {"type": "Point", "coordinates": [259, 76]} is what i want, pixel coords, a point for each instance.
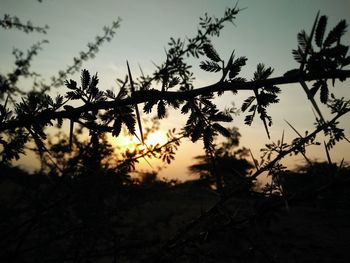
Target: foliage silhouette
{"type": "Point", "coordinates": [81, 208]}
{"type": "Point", "coordinates": [231, 164]}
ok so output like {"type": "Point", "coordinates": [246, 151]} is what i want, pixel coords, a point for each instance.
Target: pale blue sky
{"type": "Point", "coordinates": [264, 32]}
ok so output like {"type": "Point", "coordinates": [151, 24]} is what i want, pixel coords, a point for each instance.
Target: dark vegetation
{"type": "Point", "coordinates": [84, 206]}
{"type": "Point", "coordinates": [97, 217]}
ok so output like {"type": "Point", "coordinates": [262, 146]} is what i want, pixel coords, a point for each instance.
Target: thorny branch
{"type": "Point", "coordinates": [145, 95]}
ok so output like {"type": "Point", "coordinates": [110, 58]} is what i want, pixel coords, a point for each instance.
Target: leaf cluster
{"type": "Point", "coordinates": [328, 54]}
{"type": "Point", "coordinates": [88, 92]}
{"type": "Point", "coordinates": [213, 25]}
{"type": "Point", "coordinates": [204, 121]}
{"type": "Point", "coordinates": [230, 71]}
{"type": "Point", "coordinates": [263, 98]}
{"type": "Point", "coordinates": [335, 134]}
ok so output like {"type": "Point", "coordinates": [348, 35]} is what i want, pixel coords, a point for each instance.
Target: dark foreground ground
{"type": "Point", "coordinates": [83, 221]}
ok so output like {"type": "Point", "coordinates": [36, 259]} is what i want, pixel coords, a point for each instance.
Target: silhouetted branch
{"type": "Point", "coordinates": [10, 22]}
{"type": "Point", "coordinates": [297, 145]}
{"type": "Point", "coordinates": [8, 82]}
{"type": "Point", "coordinates": [93, 48]}
{"type": "Point", "coordinates": [155, 95]}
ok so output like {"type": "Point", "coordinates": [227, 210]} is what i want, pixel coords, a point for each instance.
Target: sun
{"type": "Point", "coordinates": [131, 142]}
{"type": "Point", "coordinates": [157, 137]}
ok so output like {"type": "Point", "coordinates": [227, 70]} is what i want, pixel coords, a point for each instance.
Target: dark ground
{"type": "Point", "coordinates": [141, 221]}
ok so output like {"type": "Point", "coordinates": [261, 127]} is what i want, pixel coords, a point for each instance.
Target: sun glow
{"type": "Point", "coordinates": [155, 138]}
{"type": "Point", "coordinates": [132, 143]}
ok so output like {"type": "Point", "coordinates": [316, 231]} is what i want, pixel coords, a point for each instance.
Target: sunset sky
{"type": "Point", "coordinates": [263, 32]}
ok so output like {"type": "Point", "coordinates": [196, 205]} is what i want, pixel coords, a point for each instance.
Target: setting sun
{"type": "Point", "coordinates": [155, 138]}
{"type": "Point", "coordinates": [130, 142]}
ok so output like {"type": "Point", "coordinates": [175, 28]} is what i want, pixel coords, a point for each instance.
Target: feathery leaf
{"type": "Point", "coordinates": [315, 87]}
{"type": "Point", "coordinates": [211, 53]}
{"type": "Point", "coordinates": [320, 30]}
{"type": "Point", "coordinates": [128, 118]}
{"type": "Point", "coordinates": [298, 55]}
{"type": "Point", "coordinates": [197, 132]}
{"type": "Point", "coordinates": [247, 102]}
{"type": "Point", "coordinates": [220, 116]}
{"type": "Point", "coordinates": [303, 39]}
{"type": "Point", "coordinates": [71, 84]}
{"type": "Point", "coordinates": [324, 92]}
{"type": "Point", "coordinates": [93, 82]}
{"type": "Point", "coordinates": [336, 33]}
{"type": "Point", "coordinates": [117, 126]}
{"type": "Point", "coordinates": [148, 106]}
{"type": "Point", "coordinates": [185, 108]}
{"type": "Point", "coordinates": [210, 66]}
{"type": "Point", "coordinates": [236, 67]}
{"type": "Point", "coordinates": [85, 79]}
{"type": "Point", "coordinates": [208, 139]}
{"type": "Point", "coordinates": [248, 120]}
{"type": "Point", "coordinates": [261, 72]}
{"type": "Point", "coordinates": [161, 109]}
{"type": "Point", "coordinates": [222, 130]}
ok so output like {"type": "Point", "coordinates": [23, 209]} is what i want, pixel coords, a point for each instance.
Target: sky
{"type": "Point", "coordinates": [265, 31]}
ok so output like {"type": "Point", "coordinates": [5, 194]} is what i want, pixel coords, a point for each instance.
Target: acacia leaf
{"type": "Point", "coordinates": [320, 30]}
{"type": "Point", "coordinates": [211, 53]}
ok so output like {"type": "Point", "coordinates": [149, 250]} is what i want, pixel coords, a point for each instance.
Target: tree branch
{"type": "Point", "coordinates": [147, 95]}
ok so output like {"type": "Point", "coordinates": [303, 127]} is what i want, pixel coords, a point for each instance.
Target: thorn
{"type": "Point", "coordinates": [346, 139]}
{"type": "Point", "coordinates": [141, 70]}
{"type": "Point", "coordinates": [303, 154]}
{"type": "Point", "coordinates": [290, 125]}
{"type": "Point", "coordinates": [7, 98]}
{"type": "Point", "coordinates": [266, 129]}
{"type": "Point", "coordinates": [71, 134]}
{"type": "Point", "coordinates": [328, 155]}
{"type": "Point", "coordinates": [254, 161]}
{"type": "Point", "coordinates": [148, 162]}
{"type": "Point", "coordinates": [282, 141]}
{"type": "Point", "coordinates": [136, 107]}
{"type": "Point", "coordinates": [309, 43]}
{"type": "Point", "coordinates": [311, 99]}
{"type": "Point", "coordinates": [137, 137]}
{"type": "Point", "coordinates": [226, 69]}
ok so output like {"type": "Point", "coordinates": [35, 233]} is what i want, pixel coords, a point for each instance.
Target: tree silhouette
{"type": "Point", "coordinates": [231, 164]}
{"type": "Point", "coordinates": [80, 218]}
